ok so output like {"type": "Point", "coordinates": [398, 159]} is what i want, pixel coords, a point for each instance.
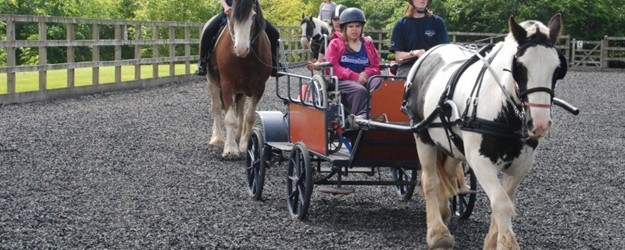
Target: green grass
{"type": "Point", "coordinates": [56, 79]}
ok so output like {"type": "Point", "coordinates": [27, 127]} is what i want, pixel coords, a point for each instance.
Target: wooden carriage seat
{"type": "Point", "coordinates": [385, 146]}
{"type": "Point", "coordinates": [386, 102]}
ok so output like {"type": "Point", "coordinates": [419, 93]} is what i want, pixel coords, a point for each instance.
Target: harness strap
{"type": "Point", "coordinates": [524, 94]}
{"type": "Point", "coordinates": [449, 93]}
{"type": "Point", "coordinates": [492, 128]}
{"type": "Point", "coordinates": [453, 81]}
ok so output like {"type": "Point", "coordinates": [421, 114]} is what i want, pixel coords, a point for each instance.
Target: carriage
{"type": "Point", "coordinates": [447, 120]}
{"type": "Point", "coordinates": [324, 146]}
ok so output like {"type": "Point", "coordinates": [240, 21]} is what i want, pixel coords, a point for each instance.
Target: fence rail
{"type": "Point", "coordinates": [96, 43]}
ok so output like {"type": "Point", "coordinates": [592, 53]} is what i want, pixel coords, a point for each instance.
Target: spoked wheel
{"type": "Point", "coordinates": [334, 143]}
{"type": "Point", "coordinates": [299, 181]}
{"type": "Point", "coordinates": [462, 204]}
{"type": "Point", "coordinates": [256, 165]}
{"type": "Point", "coordinates": [405, 174]}
{"type": "Point", "coordinates": [316, 92]}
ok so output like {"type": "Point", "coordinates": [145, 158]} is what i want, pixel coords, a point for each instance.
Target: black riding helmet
{"type": "Point", "coordinates": [351, 15]}
{"type": "Point", "coordinates": [338, 10]}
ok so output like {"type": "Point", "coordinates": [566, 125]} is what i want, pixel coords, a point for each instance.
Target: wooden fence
{"type": "Point", "coordinates": [153, 45]}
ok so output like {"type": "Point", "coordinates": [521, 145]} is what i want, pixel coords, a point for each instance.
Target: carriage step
{"type": "Point", "coordinates": [336, 190]}
{"type": "Point", "coordinates": [362, 170]}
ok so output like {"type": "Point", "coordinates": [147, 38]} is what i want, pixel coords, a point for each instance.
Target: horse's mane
{"type": "Point", "coordinates": [243, 9]}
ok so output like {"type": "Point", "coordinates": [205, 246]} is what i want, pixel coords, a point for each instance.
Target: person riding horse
{"type": "Point", "coordinates": [209, 37]}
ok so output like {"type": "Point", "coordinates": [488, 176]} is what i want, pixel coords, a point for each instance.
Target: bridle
{"type": "Point", "coordinates": [519, 73]}
{"type": "Point", "coordinates": [257, 26]}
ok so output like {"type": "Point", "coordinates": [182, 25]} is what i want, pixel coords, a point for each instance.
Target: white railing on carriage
{"type": "Point", "coordinates": [107, 40]}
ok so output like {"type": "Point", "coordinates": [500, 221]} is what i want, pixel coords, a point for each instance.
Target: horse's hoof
{"type": "Point", "coordinates": [216, 142]}
{"type": "Point", "coordinates": [243, 148]}
{"type": "Point", "coordinates": [441, 242]}
{"type": "Point", "coordinates": [230, 156]}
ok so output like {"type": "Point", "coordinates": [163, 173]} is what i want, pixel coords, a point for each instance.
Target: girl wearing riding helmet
{"type": "Point", "coordinates": [354, 60]}
{"type": "Point", "coordinates": [336, 27]}
{"type": "Point", "coordinates": [415, 33]}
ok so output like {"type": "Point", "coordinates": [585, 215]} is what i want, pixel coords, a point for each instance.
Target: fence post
{"type": "Point", "coordinates": [138, 52]}
{"type": "Point", "coordinates": [573, 51]}
{"type": "Point", "coordinates": [11, 62]}
{"type": "Point", "coordinates": [70, 53]}
{"type": "Point", "coordinates": [567, 49]}
{"type": "Point", "coordinates": [172, 49]}
{"type": "Point", "coordinates": [187, 49]}
{"type": "Point", "coordinates": [604, 52]}
{"type": "Point", "coordinates": [43, 55]}
{"type": "Point", "coordinates": [155, 50]}
{"type": "Point", "coordinates": [118, 52]}
{"type": "Point", "coordinates": [95, 76]}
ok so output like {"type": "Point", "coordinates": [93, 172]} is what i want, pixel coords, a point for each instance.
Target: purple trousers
{"type": "Point", "coordinates": [355, 95]}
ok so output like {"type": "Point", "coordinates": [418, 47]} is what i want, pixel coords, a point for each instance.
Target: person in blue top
{"type": "Point", "coordinates": [415, 33]}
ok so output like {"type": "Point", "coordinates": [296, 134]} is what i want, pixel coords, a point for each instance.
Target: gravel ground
{"type": "Point", "coordinates": [134, 170]}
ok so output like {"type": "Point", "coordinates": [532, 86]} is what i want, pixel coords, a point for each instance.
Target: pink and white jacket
{"type": "Point", "coordinates": [336, 48]}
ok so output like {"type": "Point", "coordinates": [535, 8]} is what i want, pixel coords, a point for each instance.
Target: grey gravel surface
{"type": "Point", "coordinates": [134, 170]}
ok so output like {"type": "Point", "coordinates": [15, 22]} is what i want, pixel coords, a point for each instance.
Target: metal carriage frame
{"type": "Point", "coordinates": [316, 130]}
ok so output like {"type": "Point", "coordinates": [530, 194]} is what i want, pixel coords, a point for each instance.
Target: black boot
{"type": "Point", "coordinates": [201, 68]}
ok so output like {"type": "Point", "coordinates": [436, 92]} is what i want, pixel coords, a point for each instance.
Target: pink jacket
{"type": "Point", "coordinates": [335, 50]}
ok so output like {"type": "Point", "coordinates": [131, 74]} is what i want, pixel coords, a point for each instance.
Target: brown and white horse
{"type": "Point", "coordinates": [238, 70]}
{"type": "Point", "coordinates": [492, 114]}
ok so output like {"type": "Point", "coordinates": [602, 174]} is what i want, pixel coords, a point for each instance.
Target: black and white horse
{"type": "Point", "coordinates": [313, 31]}
{"type": "Point", "coordinates": [491, 111]}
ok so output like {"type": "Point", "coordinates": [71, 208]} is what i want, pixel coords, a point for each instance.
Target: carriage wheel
{"type": "Point", "coordinates": [256, 165]}
{"type": "Point", "coordinates": [317, 91]}
{"type": "Point", "coordinates": [405, 174]}
{"type": "Point", "coordinates": [299, 181]}
{"type": "Point", "coordinates": [334, 143]}
{"type": "Point", "coordinates": [462, 204]}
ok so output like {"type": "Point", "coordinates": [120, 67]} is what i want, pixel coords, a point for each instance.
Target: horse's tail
{"type": "Point", "coordinates": [446, 169]}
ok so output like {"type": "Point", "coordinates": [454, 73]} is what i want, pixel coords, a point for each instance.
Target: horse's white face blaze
{"type": "Point", "coordinates": [304, 41]}
{"type": "Point", "coordinates": [241, 35]}
{"type": "Point", "coordinates": [540, 62]}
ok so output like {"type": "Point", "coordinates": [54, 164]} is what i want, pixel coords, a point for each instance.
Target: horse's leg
{"type": "Point", "coordinates": [449, 183]}
{"type": "Point", "coordinates": [511, 179]}
{"type": "Point", "coordinates": [500, 234]}
{"type": "Point", "coordinates": [217, 137]}
{"type": "Point", "coordinates": [240, 101]}
{"type": "Point", "coordinates": [250, 117]}
{"type": "Point", "coordinates": [230, 146]}
{"type": "Point", "coordinates": [438, 236]}
{"type": "Point", "coordinates": [462, 184]}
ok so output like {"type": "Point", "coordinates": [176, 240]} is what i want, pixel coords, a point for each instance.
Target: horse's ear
{"type": "Point", "coordinates": [519, 33]}
{"type": "Point", "coordinates": [555, 28]}
{"type": "Point", "coordinates": [303, 16]}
